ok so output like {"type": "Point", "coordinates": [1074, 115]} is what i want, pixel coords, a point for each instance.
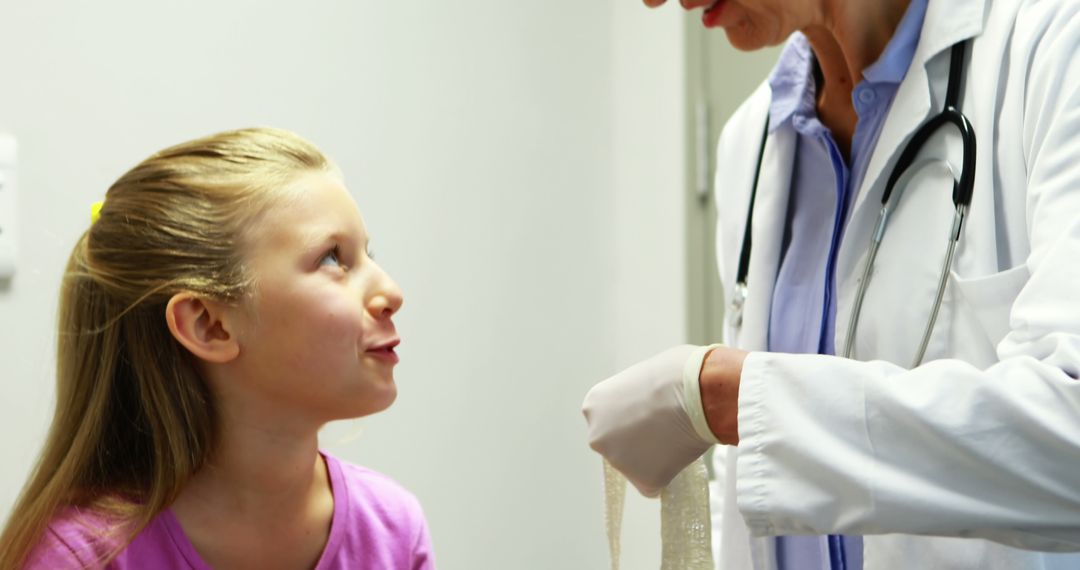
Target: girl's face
{"type": "Point", "coordinates": [317, 335]}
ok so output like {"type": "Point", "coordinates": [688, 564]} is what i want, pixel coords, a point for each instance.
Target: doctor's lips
{"type": "Point", "coordinates": [711, 17]}
{"type": "Point", "coordinates": [385, 350]}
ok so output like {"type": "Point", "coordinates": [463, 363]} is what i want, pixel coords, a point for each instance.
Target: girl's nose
{"type": "Point", "coordinates": [387, 298]}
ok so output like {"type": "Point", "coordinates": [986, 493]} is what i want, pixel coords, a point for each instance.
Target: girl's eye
{"type": "Point", "coordinates": [332, 258]}
{"type": "Point", "coordinates": [370, 253]}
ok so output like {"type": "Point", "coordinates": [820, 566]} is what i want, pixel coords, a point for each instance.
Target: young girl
{"type": "Point", "coordinates": [219, 311]}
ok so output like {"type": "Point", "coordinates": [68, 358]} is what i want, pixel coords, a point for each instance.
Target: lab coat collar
{"type": "Point", "coordinates": [947, 22]}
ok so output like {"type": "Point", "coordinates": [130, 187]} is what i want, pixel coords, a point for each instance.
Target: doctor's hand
{"type": "Point", "coordinates": [650, 420]}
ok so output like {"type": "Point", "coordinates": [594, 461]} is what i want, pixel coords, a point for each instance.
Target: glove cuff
{"type": "Point", "coordinates": [692, 393]}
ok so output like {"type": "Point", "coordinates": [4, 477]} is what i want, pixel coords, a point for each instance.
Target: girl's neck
{"type": "Point", "coordinates": [256, 469]}
{"type": "Point", "coordinates": [265, 487]}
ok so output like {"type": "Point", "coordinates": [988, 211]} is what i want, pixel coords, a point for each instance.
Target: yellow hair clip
{"type": "Point", "coordinates": [95, 211]}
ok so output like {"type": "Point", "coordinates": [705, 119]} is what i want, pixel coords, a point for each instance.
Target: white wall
{"type": "Point", "coordinates": [648, 142]}
{"type": "Point", "coordinates": [519, 167]}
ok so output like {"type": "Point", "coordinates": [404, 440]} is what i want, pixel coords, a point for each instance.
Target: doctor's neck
{"type": "Point", "coordinates": [851, 36]}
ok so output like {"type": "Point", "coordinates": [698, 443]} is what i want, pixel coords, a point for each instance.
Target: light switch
{"type": "Point", "coordinates": [8, 207]}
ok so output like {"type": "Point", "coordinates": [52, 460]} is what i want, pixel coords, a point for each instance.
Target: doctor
{"type": "Point", "coordinates": [950, 435]}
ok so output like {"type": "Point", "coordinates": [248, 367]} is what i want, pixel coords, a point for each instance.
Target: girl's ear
{"type": "Point", "coordinates": [203, 327]}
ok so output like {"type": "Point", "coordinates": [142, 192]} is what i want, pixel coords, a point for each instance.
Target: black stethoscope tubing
{"type": "Point", "coordinates": [961, 197]}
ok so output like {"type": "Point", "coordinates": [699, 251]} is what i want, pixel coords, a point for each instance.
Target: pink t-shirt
{"type": "Point", "coordinates": [376, 524]}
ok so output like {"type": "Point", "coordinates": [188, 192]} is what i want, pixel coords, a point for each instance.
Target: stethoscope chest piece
{"type": "Point", "coordinates": [735, 308]}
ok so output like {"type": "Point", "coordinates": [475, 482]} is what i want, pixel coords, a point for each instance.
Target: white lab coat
{"type": "Point", "coordinates": [983, 439]}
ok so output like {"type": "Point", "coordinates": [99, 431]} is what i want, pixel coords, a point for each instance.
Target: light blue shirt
{"type": "Point", "coordinates": [803, 314]}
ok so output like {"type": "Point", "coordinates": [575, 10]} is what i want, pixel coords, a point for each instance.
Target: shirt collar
{"type": "Point", "coordinates": [894, 62]}
{"type": "Point", "coordinates": [792, 79]}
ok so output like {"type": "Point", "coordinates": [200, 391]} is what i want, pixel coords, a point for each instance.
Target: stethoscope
{"type": "Point", "coordinates": [906, 167]}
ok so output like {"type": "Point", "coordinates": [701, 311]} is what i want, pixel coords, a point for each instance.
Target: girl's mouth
{"type": "Point", "coordinates": [385, 351]}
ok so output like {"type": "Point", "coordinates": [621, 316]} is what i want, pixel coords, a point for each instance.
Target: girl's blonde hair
{"type": "Point", "coordinates": [134, 418]}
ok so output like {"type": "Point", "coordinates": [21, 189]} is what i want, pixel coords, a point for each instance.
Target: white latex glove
{"type": "Point", "coordinates": [648, 420]}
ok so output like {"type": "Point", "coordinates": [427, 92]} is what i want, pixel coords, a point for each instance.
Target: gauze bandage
{"type": "Point", "coordinates": [685, 526]}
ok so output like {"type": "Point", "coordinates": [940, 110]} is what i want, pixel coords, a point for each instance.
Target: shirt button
{"type": "Point", "coordinates": [867, 96]}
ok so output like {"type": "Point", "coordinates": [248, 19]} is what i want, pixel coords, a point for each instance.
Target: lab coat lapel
{"type": "Point", "coordinates": [769, 212]}
{"type": "Point", "coordinates": [947, 22]}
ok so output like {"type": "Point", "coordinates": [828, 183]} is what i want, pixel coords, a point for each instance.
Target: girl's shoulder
{"type": "Point", "coordinates": [75, 538]}
{"type": "Point", "coordinates": [80, 538]}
